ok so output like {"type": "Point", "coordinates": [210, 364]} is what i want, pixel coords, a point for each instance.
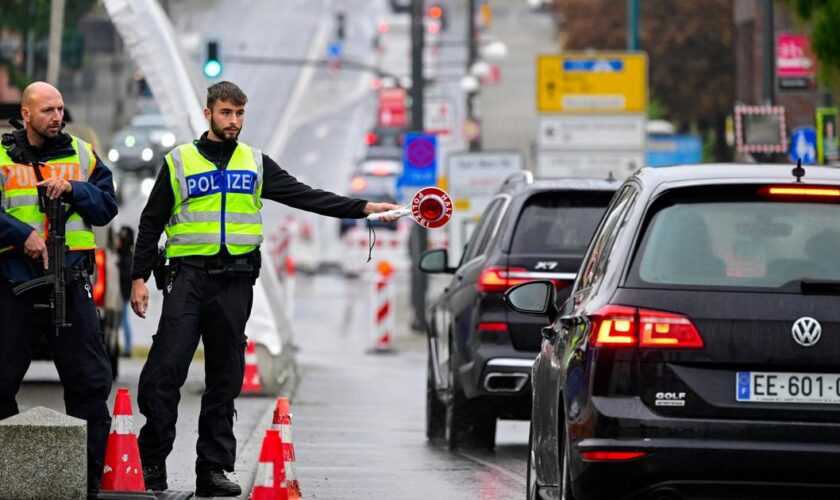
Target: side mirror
{"type": "Point", "coordinates": [536, 298]}
{"type": "Point", "coordinates": [435, 261]}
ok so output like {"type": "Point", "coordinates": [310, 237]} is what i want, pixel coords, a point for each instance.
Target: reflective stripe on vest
{"type": "Point", "coordinates": [19, 194]}
{"type": "Point", "coordinates": [214, 207]}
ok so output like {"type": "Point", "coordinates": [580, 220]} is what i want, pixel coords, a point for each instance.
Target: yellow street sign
{"type": "Point", "coordinates": [592, 82]}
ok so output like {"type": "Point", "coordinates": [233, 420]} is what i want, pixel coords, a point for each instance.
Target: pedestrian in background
{"type": "Point", "coordinates": [125, 254]}
{"type": "Point", "coordinates": [207, 198]}
{"type": "Point", "coordinates": [62, 166]}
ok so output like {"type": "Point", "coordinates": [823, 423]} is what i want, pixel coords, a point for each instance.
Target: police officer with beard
{"type": "Point", "coordinates": [207, 197]}
{"type": "Point", "coordinates": [66, 167]}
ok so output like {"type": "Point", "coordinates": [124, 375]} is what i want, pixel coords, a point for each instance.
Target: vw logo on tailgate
{"type": "Point", "coordinates": [806, 331]}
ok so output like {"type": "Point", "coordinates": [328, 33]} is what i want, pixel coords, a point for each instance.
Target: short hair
{"type": "Point", "coordinates": [225, 91]}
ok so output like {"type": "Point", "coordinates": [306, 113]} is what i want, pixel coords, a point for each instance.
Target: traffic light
{"type": "Point", "coordinates": [213, 62]}
{"type": "Point", "coordinates": [340, 26]}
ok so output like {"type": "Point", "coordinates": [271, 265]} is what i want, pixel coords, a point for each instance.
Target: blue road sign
{"type": "Point", "coordinates": [335, 50]}
{"type": "Point", "coordinates": [665, 150]}
{"type": "Point", "coordinates": [419, 160]}
{"type": "Point", "coordinates": [803, 144]}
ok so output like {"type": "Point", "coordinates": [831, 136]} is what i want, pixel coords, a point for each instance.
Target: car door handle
{"type": "Point", "coordinates": [548, 333]}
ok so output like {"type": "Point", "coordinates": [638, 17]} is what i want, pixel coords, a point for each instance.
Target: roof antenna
{"type": "Point", "coordinates": [798, 172]}
{"type": "Point", "coordinates": [610, 177]}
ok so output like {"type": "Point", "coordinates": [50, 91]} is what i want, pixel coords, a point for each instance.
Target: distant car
{"type": "Point", "coordinates": [375, 187]}
{"type": "Point", "coordinates": [140, 147]}
{"type": "Point", "coordinates": [480, 354]}
{"type": "Point", "coordinates": [698, 353]}
{"type": "Point", "coordinates": [385, 136]}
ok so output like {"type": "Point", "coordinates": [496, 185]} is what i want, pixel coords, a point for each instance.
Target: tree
{"type": "Point", "coordinates": [22, 16]}
{"type": "Point", "coordinates": [690, 53]}
{"type": "Point", "coordinates": [825, 16]}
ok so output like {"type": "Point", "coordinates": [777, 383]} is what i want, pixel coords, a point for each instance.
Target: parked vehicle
{"type": "Point", "coordinates": [697, 354]}
{"type": "Point", "coordinates": [480, 354]}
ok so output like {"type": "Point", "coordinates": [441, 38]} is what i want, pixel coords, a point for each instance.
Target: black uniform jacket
{"type": "Point", "coordinates": [94, 200]}
{"type": "Point", "coordinates": [278, 185]}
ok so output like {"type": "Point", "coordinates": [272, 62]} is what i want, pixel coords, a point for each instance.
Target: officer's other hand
{"type": "Point", "coordinates": [375, 208]}
{"type": "Point", "coordinates": [56, 187]}
{"type": "Point", "coordinates": [139, 297]}
{"type": "Point", "coordinates": [35, 247]}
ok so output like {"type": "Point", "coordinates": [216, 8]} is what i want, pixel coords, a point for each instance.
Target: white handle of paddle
{"type": "Point", "coordinates": [402, 212]}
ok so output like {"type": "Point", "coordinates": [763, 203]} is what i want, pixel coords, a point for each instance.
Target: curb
{"type": "Point", "coordinates": [245, 468]}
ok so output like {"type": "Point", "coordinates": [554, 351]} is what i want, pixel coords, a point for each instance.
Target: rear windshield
{"type": "Point", "coordinates": [754, 242]}
{"type": "Point", "coordinates": [559, 222]}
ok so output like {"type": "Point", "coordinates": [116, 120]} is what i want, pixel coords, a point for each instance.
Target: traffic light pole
{"type": "Point", "coordinates": [418, 238]}
{"type": "Point", "coordinates": [472, 56]}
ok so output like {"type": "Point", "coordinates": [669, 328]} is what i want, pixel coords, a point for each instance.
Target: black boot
{"type": "Point", "coordinates": [214, 484]}
{"type": "Point", "coordinates": [155, 477]}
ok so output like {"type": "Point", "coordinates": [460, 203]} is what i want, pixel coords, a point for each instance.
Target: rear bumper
{"type": "Point", "coordinates": [505, 382]}
{"type": "Point", "coordinates": [694, 458]}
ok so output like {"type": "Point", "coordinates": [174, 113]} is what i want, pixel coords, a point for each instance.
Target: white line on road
{"type": "Point", "coordinates": [519, 478]}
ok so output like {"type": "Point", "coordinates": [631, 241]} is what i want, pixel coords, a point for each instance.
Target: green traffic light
{"type": "Point", "coordinates": [212, 68]}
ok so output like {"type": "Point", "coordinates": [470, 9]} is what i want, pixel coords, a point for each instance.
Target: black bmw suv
{"type": "Point", "coordinates": [699, 353]}
{"type": "Point", "coordinates": [480, 354]}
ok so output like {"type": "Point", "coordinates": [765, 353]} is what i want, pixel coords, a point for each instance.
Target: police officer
{"type": "Point", "coordinates": [66, 167]}
{"type": "Point", "coordinates": [207, 197]}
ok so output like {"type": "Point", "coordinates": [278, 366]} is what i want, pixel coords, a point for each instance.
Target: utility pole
{"type": "Point", "coordinates": [418, 238]}
{"type": "Point", "coordinates": [56, 32]}
{"type": "Point", "coordinates": [472, 57]}
{"type": "Point", "coordinates": [632, 25]}
{"type": "Point", "coordinates": [769, 35]}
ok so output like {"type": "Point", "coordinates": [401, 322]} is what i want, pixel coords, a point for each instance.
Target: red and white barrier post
{"type": "Point", "coordinates": [382, 311]}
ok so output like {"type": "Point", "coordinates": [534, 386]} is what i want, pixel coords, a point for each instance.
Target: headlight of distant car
{"type": "Point", "coordinates": [147, 154]}
{"type": "Point", "coordinates": [113, 155]}
{"type": "Point", "coordinates": [167, 140]}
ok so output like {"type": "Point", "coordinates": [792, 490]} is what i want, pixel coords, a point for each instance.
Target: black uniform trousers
{"type": "Point", "coordinates": [198, 306]}
{"type": "Point", "coordinates": [78, 352]}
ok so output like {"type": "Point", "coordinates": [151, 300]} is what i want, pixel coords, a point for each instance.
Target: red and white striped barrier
{"type": "Point", "coordinates": [383, 305]}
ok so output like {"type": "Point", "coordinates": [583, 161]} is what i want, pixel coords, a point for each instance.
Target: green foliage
{"type": "Point", "coordinates": [825, 18]}
{"type": "Point", "coordinates": [656, 110]}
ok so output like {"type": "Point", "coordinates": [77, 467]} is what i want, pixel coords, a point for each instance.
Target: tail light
{"type": "Point", "coordinates": [371, 138]}
{"type": "Point", "coordinates": [491, 327]}
{"type": "Point", "coordinates": [358, 184]}
{"type": "Point", "coordinates": [803, 191]}
{"type": "Point", "coordinates": [100, 283]}
{"type": "Point", "coordinates": [622, 326]}
{"type": "Point", "coordinates": [611, 456]}
{"type": "Point", "coordinates": [498, 279]}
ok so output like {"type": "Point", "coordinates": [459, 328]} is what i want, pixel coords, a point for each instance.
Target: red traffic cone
{"type": "Point", "coordinates": [283, 423]}
{"type": "Point", "coordinates": [122, 471]}
{"type": "Point", "coordinates": [252, 382]}
{"type": "Point", "coordinates": [270, 481]}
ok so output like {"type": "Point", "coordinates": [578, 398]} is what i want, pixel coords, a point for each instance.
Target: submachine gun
{"type": "Point", "coordinates": [57, 272]}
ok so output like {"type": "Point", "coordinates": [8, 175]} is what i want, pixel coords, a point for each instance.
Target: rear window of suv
{"type": "Point", "coordinates": [737, 237]}
{"type": "Point", "coordinates": [559, 222]}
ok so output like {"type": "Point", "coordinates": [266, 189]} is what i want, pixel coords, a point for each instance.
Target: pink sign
{"type": "Point", "coordinates": [794, 57]}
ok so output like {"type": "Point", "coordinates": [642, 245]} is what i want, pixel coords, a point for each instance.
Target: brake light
{"type": "Point", "coordinates": [614, 326]}
{"type": "Point", "coordinates": [497, 279]}
{"type": "Point", "coordinates": [821, 192]}
{"type": "Point", "coordinates": [358, 184]}
{"type": "Point", "coordinates": [623, 326]}
{"type": "Point", "coordinates": [612, 456]}
{"type": "Point", "coordinates": [492, 327]}
{"type": "Point", "coordinates": [371, 138]}
{"type": "Point", "coordinates": [668, 330]}
{"type": "Point", "coordinates": [100, 284]}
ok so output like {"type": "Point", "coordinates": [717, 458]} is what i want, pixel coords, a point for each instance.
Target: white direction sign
{"type": "Point", "coordinates": [618, 164]}
{"type": "Point", "coordinates": [473, 178]}
{"type": "Point", "coordinates": [586, 132]}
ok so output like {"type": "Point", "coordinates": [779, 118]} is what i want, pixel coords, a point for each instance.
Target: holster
{"type": "Point", "coordinates": [160, 270]}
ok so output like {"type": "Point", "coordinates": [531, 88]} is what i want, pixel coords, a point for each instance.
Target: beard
{"type": "Point", "coordinates": [222, 134]}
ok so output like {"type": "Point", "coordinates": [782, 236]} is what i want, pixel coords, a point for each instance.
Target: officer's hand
{"type": "Point", "coordinates": [375, 208]}
{"type": "Point", "coordinates": [56, 187]}
{"type": "Point", "coordinates": [139, 297]}
{"type": "Point", "coordinates": [35, 247]}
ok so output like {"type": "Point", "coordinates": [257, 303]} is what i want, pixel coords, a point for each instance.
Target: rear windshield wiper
{"type": "Point", "coordinates": [830, 287]}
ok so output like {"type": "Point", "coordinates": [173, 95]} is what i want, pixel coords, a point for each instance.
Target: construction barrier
{"type": "Point", "coordinates": [382, 314]}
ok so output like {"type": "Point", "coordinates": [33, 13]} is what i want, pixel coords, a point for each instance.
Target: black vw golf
{"type": "Point", "coordinates": [698, 355]}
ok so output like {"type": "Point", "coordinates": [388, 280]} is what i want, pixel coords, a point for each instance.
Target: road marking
{"type": "Point", "coordinates": [322, 131]}
{"type": "Point", "coordinates": [519, 478]}
{"type": "Point", "coordinates": [310, 157]}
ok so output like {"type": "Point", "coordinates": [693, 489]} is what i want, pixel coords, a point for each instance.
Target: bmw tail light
{"type": "Point", "coordinates": [623, 326]}
{"type": "Point", "coordinates": [100, 283]}
{"type": "Point", "coordinates": [488, 326]}
{"type": "Point", "coordinates": [498, 279]}
{"type": "Point", "coordinates": [614, 326]}
{"type": "Point", "coordinates": [659, 329]}
{"type": "Point", "coordinates": [611, 456]}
